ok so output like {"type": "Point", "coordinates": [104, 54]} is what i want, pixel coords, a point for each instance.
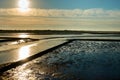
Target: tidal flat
{"type": "Point", "coordinates": [78, 60]}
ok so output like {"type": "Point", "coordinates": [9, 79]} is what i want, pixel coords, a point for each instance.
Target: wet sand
{"type": "Point", "coordinates": [77, 60]}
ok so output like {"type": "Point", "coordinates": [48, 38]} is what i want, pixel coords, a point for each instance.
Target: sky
{"type": "Point", "coordinates": [60, 14]}
{"type": "Point", "coordinates": [65, 4]}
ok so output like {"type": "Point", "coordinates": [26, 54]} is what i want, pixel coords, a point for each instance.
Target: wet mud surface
{"type": "Point", "coordinates": [78, 60]}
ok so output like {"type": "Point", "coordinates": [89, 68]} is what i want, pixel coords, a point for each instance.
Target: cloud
{"type": "Point", "coordinates": [61, 19]}
{"type": "Point", "coordinates": [95, 12]}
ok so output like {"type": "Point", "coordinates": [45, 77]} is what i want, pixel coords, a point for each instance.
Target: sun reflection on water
{"type": "Point", "coordinates": [25, 51]}
{"type": "Point", "coordinates": [23, 35]}
{"type": "Point", "coordinates": [24, 73]}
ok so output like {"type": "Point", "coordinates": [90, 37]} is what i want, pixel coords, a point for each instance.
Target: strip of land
{"type": "Point", "coordinates": [44, 32]}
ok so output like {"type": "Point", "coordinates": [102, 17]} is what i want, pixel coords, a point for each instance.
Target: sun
{"type": "Point", "coordinates": [23, 5]}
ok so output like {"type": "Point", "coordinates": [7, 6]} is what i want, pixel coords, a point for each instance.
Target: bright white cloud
{"type": "Point", "coordinates": [97, 12]}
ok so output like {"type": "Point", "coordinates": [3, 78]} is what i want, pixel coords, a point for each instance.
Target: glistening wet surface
{"type": "Point", "coordinates": [78, 60]}
{"type": "Point", "coordinates": [16, 52]}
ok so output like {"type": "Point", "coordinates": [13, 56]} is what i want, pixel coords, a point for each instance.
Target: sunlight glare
{"type": "Point", "coordinates": [23, 36]}
{"type": "Point", "coordinates": [24, 73]}
{"type": "Point", "coordinates": [23, 5]}
{"type": "Point", "coordinates": [24, 51]}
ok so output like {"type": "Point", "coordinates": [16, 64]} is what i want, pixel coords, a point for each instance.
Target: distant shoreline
{"type": "Point", "coordinates": [50, 32]}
